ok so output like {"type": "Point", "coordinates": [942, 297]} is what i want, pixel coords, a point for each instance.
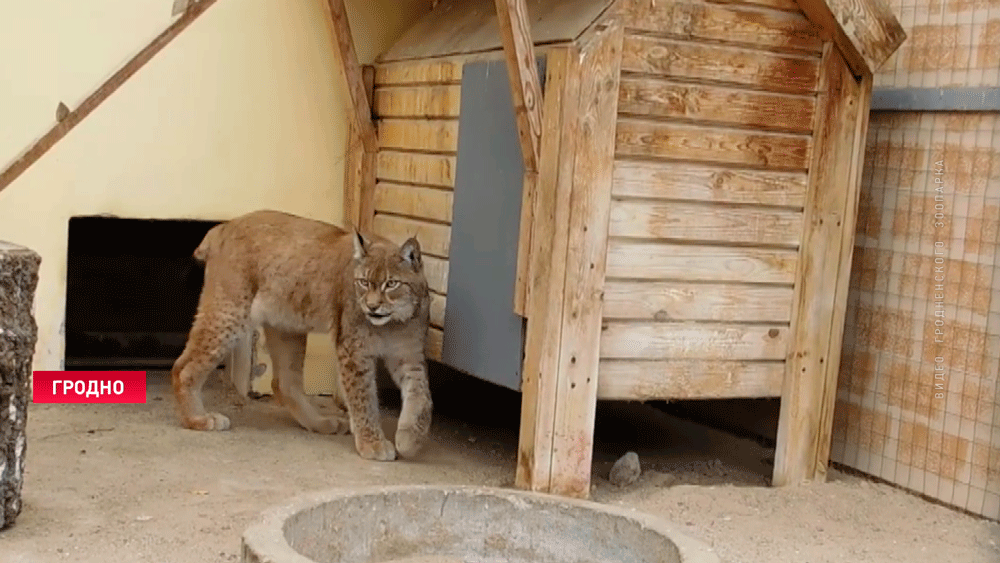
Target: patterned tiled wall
{"type": "Point", "coordinates": [918, 400]}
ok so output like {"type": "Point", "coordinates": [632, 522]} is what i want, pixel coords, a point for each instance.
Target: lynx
{"type": "Point", "coordinates": [291, 276]}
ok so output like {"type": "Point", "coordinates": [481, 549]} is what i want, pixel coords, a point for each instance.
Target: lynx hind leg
{"type": "Point", "coordinates": [409, 372]}
{"type": "Point", "coordinates": [288, 352]}
{"type": "Point", "coordinates": [357, 378]}
{"type": "Point", "coordinates": [213, 335]}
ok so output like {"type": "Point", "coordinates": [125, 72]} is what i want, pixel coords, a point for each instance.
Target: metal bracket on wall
{"type": "Point", "coordinates": [936, 99]}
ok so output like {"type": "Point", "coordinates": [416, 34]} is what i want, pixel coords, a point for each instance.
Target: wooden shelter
{"type": "Point", "coordinates": [686, 196]}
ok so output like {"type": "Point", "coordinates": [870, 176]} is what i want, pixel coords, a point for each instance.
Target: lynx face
{"type": "Point", "coordinates": [388, 281]}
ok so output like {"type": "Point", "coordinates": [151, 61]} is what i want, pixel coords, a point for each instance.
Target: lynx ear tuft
{"type": "Point", "coordinates": [360, 245]}
{"type": "Point", "coordinates": [410, 251]}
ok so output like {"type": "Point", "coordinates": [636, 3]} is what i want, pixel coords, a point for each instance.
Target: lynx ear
{"type": "Point", "coordinates": [410, 251]}
{"type": "Point", "coordinates": [360, 246]}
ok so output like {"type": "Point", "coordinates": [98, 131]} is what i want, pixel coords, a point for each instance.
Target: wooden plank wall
{"type": "Point", "coordinates": [714, 140]}
{"type": "Point", "coordinates": [416, 105]}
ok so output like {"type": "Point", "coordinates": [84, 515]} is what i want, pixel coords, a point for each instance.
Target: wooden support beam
{"type": "Point", "coordinates": [360, 101]}
{"type": "Point", "coordinates": [526, 95]}
{"type": "Point", "coordinates": [809, 386]}
{"type": "Point", "coordinates": [359, 168]}
{"type": "Point", "coordinates": [526, 91]}
{"type": "Point", "coordinates": [563, 347]}
{"type": "Point", "coordinates": [550, 223]}
{"type": "Point", "coordinates": [866, 31]}
{"type": "Point", "coordinates": [67, 121]}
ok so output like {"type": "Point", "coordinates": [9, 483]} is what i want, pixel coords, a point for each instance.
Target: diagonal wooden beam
{"type": "Point", "coordinates": [360, 108]}
{"type": "Point", "coordinates": [67, 120]}
{"type": "Point", "coordinates": [526, 91]}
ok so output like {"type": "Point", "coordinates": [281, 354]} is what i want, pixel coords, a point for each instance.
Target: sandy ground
{"type": "Point", "coordinates": [123, 483]}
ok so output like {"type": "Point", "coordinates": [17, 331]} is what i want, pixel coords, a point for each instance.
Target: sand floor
{"type": "Point", "coordinates": [124, 483]}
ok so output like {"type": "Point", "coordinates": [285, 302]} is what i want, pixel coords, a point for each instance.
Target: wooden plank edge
{"type": "Point", "coordinates": [43, 144]}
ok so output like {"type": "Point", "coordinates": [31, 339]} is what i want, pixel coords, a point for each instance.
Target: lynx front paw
{"type": "Point", "coordinates": [381, 450]}
{"type": "Point", "coordinates": [211, 421]}
{"type": "Point", "coordinates": [409, 442]}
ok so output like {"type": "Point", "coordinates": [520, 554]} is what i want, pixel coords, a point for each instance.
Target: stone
{"type": "Point", "coordinates": [18, 335]}
{"type": "Point", "coordinates": [625, 471]}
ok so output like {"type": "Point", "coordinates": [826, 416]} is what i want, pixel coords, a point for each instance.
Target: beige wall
{"type": "Point", "coordinates": [244, 110]}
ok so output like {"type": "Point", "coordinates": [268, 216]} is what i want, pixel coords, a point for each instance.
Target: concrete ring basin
{"type": "Point", "coordinates": [429, 524]}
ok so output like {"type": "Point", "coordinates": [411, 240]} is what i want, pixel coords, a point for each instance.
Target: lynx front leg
{"type": "Point", "coordinates": [288, 351]}
{"type": "Point", "coordinates": [357, 379]}
{"type": "Point", "coordinates": [410, 375]}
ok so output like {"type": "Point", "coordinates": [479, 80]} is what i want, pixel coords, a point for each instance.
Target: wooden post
{"type": "Point", "coordinates": [359, 168]}
{"type": "Point", "coordinates": [547, 271]}
{"type": "Point", "coordinates": [565, 306]}
{"type": "Point", "coordinates": [526, 94]}
{"type": "Point", "coordinates": [810, 383]}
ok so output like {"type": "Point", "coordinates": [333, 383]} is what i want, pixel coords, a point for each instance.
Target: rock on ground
{"type": "Point", "coordinates": [625, 471]}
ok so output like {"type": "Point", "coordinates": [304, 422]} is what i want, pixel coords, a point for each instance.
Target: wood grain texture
{"type": "Point", "coordinates": [415, 168]}
{"type": "Point", "coordinates": [650, 380]}
{"type": "Point", "coordinates": [724, 23]}
{"type": "Point", "coordinates": [418, 72]}
{"type": "Point", "coordinates": [438, 136]}
{"type": "Point", "coordinates": [418, 101]}
{"type": "Point", "coordinates": [522, 72]}
{"type": "Point", "coordinates": [650, 139]}
{"type": "Point", "coordinates": [657, 261]}
{"type": "Point", "coordinates": [414, 201]}
{"type": "Point", "coordinates": [434, 238]}
{"type": "Point", "coordinates": [436, 272]}
{"type": "Point", "coordinates": [698, 222]}
{"type": "Point", "coordinates": [550, 232]}
{"type": "Point", "coordinates": [586, 259]}
{"type": "Point", "coordinates": [663, 301]}
{"type": "Point", "coordinates": [805, 390]}
{"type": "Point", "coordinates": [63, 126]}
{"type": "Point", "coordinates": [684, 181]}
{"type": "Point", "coordinates": [692, 341]}
{"type": "Point", "coordinates": [360, 102]}
{"type": "Point", "coordinates": [721, 64]}
{"type": "Point", "coordinates": [866, 31]}
{"type": "Point", "coordinates": [716, 105]}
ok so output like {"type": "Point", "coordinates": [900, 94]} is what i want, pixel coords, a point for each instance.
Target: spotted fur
{"type": "Point", "coordinates": [291, 276]}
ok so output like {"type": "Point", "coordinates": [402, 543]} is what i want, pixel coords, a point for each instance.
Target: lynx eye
{"type": "Point", "coordinates": [363, 283]}
{"type": "Point", "coordinates": [392, 284]}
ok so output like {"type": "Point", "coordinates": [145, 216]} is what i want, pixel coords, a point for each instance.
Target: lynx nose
{"type": "Point", "coordinates": [373, 302]}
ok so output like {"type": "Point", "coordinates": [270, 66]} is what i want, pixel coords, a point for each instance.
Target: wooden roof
{"type": "Point", "coordinates": [866, 31]}
{"type": "Point", "coordinates": [457, 27]}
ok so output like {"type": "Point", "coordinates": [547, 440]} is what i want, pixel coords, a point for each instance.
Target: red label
{"type": "Point", "coordinates": [89, 387]}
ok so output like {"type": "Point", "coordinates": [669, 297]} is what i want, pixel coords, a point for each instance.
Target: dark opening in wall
{"type": "Point", "coordinates": [131, 291]}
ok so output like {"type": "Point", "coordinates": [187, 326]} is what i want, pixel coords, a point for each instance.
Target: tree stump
{"type": "Point", "coordinates": [18, 334]}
